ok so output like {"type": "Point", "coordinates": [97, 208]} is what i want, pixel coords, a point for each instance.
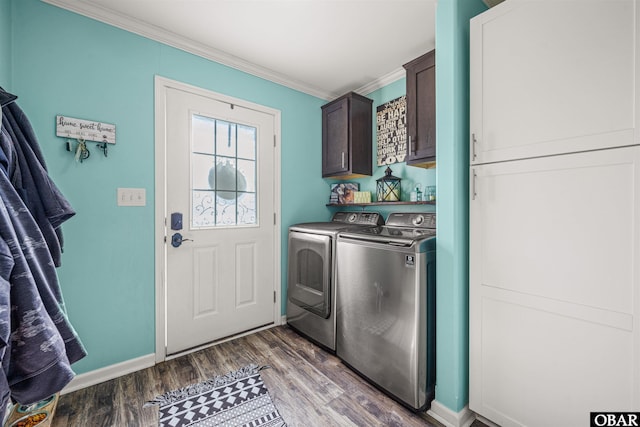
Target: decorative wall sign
{"type": "Point", "coordinates": [68, 127]}
{"type": "Point", "coordinates": [392, 131]}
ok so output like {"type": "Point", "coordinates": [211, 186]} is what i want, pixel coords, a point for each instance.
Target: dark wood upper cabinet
{"type": "Point", "coordinates": [421, 110]}
{"type": "Point", "coordinates": [346, 137]}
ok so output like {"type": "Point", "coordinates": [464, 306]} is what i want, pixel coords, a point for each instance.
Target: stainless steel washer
{"type": "Point", "coordinates": [311, 274]}
{"type": "Point", "coordinates": [386, 305]}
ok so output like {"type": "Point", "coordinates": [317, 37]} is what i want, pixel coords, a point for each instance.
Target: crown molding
{"type": "Point", "coordinates": [381, 82]}
{"type": "Point", "coordinates": [171, 39]}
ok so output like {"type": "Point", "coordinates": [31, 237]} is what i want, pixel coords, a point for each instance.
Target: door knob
{"type": "Point", "coordinates": [177, 239]}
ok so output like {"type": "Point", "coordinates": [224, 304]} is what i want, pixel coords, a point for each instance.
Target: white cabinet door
{"type": "Point", "coordinates": [554, 288]}
{"type": "Point", "coordinates": [551, 77]}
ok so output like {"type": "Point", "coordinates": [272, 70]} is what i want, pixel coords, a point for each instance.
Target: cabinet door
{"type": "Point", "coordinates": [551, 77]}
{"type": "Point", "coordinates": [554, 307]}
{"type": "Point", "coordinates": [335, 138]}
{"type": "Point", "coordinates": [421, 109]}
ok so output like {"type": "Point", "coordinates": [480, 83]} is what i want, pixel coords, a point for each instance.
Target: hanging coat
{"type": "Point", "coordinates": [37, 342]}
{"type": "Point", "coordinates": [31, 180]}
{"type": "Point", "coordinates": [36, 362]}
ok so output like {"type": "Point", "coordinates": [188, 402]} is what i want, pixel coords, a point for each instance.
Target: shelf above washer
{"type": "Point", "coordinates": [433, 202]}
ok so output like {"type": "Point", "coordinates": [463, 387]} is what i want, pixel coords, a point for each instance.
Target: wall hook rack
{"type": "Point", "coordinates": [85, 130]}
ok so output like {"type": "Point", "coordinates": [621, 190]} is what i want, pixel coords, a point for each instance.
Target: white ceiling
{"type": "Point", "coordinates": [321, 47]}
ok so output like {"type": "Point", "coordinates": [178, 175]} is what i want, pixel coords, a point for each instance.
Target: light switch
{"type": "Point", "coordinates": [132, 197]}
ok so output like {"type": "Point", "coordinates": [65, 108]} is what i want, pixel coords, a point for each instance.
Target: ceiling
{"type": "Point", "coordinates": [321, 47]}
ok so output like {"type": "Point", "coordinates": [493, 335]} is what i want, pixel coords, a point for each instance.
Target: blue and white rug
{"type": "Point", "coordinates": [236, 399]}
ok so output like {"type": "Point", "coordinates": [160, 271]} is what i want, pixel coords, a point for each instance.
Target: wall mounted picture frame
{"type": "Point", "coordinates": [391, 135]}
{"type": "Point", "coordinates": [343, 192]}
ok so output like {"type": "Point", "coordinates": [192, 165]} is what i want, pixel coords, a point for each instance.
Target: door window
{"type": "Point", "coordinates": [223, 173]}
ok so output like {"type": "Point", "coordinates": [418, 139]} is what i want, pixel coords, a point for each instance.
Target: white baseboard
{"type": "Point", "coordinates": [119, 369]}
{"type": "Point", "coordinates": [109, 372]}
{"type": "Point", "coordinates": [449, 418]}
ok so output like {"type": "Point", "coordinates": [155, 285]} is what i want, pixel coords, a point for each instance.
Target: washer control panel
{"type": "Point", "coordinates": [412, 219]}
{"type": "Point", "coordinates": [360, 218]}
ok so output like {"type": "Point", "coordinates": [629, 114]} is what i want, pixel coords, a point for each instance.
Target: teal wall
{"type": "Point", "coordinates": [75, 66]}
{"type": "Point", "coordinates": [452, 106]}
{"type": "Point", "coordinates": [72, 65]}
{"type": "Point", "coordinates": [5, 44]}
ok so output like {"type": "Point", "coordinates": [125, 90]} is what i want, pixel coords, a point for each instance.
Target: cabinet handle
{"type": "Point", "coordinates": [473, 186]}
{"type": "Point", "coordinates": [473, 148]}
{"type": "Point", "coordinates": [411, 145]}
{"type": "Point", "coordinates": [343, 160]}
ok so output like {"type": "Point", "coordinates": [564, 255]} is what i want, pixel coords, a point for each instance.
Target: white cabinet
{"type": "Point", "coordinates": [554, 261]}
{"type": "Point", "coordinates": [552, 77]}
{"type": "Point", "coordinates": [554, 299]}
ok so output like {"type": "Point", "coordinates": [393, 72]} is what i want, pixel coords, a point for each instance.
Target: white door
{"type": "Point", "coordinates": [220, 177]}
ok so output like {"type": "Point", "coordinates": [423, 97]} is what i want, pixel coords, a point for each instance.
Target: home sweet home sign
{"type": "Point", "coordinates": [392, 131]}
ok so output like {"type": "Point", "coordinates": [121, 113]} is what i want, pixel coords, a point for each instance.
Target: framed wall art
{"type": "Point", "coordinates": [392, 131]}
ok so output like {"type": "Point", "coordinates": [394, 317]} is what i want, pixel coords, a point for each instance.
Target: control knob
{"type": "Point", "coordinates": [418, 220]}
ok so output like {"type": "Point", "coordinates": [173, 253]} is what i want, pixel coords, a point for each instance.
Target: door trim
{"type": "Point", "coordinates": [161, 85]}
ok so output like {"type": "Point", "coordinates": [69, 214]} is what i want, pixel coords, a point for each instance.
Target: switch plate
{"type": "Point", "coordinates": [132, 197]}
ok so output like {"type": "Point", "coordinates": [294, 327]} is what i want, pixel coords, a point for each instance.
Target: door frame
{"type": "Point", "coordinates": [161, 85]}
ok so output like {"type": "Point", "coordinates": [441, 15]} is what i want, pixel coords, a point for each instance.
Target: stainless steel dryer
{"type": "Point", "coordinates": [311, 274]}
{"type": "Point", "coordinates": [385, 305]}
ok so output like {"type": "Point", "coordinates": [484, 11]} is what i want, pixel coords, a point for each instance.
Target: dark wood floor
{"type": "Point", "coordinates": [309, 386]}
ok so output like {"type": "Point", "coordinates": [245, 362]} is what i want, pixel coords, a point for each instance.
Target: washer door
{"type": "Point", "coordinates": [309, 279]}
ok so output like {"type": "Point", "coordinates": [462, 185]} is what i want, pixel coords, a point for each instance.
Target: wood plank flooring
{"type": "Point", "coordinates": [309, 386]}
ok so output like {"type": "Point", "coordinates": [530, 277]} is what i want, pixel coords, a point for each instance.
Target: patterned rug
{"type": "Point", "coordinates": [238, 398]}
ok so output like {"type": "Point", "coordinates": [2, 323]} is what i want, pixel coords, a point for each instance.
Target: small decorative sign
{"type": "Point", "coordinates": [392, 131]}
{"type": "Point", "coordinates": [69, 127]}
